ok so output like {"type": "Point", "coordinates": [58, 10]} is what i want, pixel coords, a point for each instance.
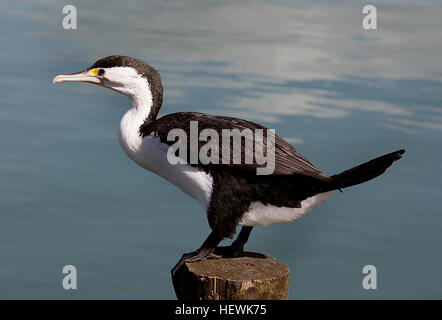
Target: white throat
{"type": "Point", "coordinates": [141, 104]}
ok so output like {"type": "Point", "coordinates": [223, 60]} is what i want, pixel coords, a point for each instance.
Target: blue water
{"type": "Point", "coordinates": [342, 95]}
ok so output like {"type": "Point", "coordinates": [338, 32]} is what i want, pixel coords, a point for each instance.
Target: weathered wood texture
{"type": "Point", "coordinates": [251, 277]}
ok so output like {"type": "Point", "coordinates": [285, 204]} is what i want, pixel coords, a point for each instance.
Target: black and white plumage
{"type": "Point", "coordinates": [232, 194]}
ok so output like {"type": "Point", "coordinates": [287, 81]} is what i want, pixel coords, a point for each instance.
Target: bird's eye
{"type": "Point", "coordinates": [100, 72]}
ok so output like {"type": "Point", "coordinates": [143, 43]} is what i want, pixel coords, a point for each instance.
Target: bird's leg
{"type": "Point", "coordinates": [206, 251]}
{"type": "Point", "coordinates": [236, 249]}
{"type": "Point", "coordinates": [238, 245]}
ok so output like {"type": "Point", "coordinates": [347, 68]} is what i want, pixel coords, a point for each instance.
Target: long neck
{"type": "Point", "coordinates": [139, 112]}
{"type": "Point", "coordinates": [141, 104]}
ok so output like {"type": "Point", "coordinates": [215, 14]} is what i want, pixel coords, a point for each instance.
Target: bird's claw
{"type": "Point", "coordinates": [231, 251]}
{"type": "Point", "coordinates": [194, 256]}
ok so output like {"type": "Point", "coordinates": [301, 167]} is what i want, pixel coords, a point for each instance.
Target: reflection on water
{"type": "Point", "coordinates": [340, 94]}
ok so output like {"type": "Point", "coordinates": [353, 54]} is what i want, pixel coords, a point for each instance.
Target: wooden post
{"type": "Point", "coordinates": [253, 276]}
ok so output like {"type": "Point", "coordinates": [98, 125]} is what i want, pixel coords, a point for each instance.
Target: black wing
{"type": "Point", "coordinates": [287, 160]}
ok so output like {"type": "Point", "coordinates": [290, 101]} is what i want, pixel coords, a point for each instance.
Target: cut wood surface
{"type": "Point", "coordinates": [253, 276]}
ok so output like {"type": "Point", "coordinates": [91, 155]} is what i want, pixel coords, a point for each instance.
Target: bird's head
{"type": "Point", "coordinates": [129, 76]}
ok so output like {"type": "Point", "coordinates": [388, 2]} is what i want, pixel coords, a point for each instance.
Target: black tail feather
{"type": "Point", "coordinates": [366, 171]}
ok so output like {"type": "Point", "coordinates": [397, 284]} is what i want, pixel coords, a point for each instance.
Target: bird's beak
{"type": "Point", "coordinates": [83, 76]}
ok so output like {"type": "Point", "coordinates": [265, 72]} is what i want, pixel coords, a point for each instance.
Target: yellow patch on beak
{"type": "Point", "coordinates": [94, 71]}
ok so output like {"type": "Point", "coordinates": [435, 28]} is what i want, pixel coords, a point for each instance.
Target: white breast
{"type": "Point", "coordinates": [150, 153]}
{"type": "Point", "coordinates": [264, 215]}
